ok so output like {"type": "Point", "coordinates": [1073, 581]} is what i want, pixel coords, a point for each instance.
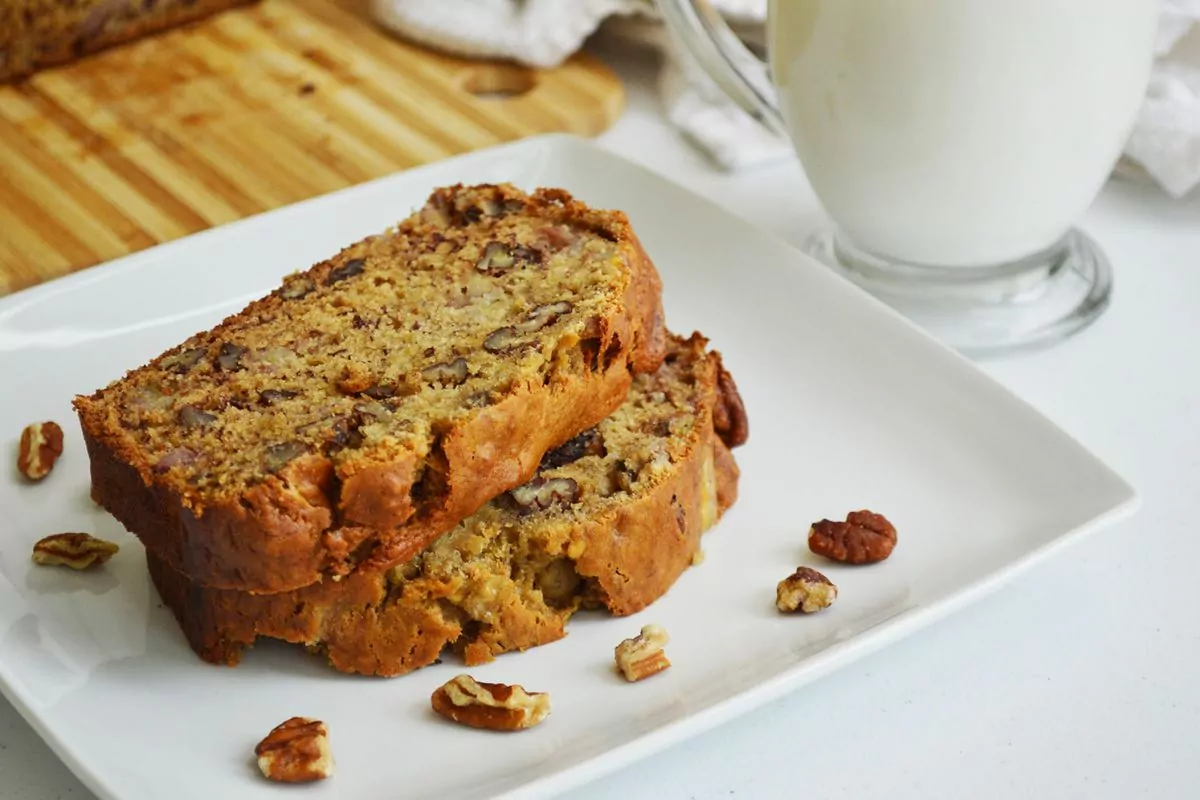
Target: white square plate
{"type": "Point", "coordinates": [850, 407]}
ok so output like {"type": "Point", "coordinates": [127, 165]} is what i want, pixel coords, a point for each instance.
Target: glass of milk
{"type": "Point", "coordinates": [953, 143]}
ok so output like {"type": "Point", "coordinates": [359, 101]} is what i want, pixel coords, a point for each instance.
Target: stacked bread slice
{"type": "Point", "coordinates": [453, 434]}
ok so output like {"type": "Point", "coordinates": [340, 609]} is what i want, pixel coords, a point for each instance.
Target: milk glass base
{"type": "Point", "coordinates": [986, 310]}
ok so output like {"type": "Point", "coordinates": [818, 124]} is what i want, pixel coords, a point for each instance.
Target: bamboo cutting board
{"type": "Point", "coordinates": [244, 112]}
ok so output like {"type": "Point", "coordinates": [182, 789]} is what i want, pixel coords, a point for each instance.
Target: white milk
{"type": "Point", "coordinates": [959, 132]}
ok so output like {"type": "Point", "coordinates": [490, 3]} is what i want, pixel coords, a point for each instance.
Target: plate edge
{"type": "Point", "coordinates": [874, 640]}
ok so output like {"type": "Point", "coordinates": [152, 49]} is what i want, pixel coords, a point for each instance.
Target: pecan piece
{"type": "Point", "coordinates": [494, 208]}
{"type": "Point", "coordinates": [492, 706]}
{"type": "Point", "coordinates": [542, 493]}
{"type": "Point", "coordinates": [348, 270]}
{"type": "Point", "coordinates": [661, 427]}
{"type": "Point", "coordinates": [545, 314]}
{"type": "Point", "coordinates": [344, 432]}
{"type": "Point", "coordinates": [296, 751]}
{"type": "Point", "coordinates": [297, 286]}
{"type": "Point", "coordinates": [278, 456]}
{"type": "Point", "coordinates": [447, 373]}
{"type": "Point", "coordinates": [184, 360]}
{"type": "Point", "coordinates": [501, 340]}
{"type": "Point", "coordinates": [41, 445]}
{"type": "Point", "coordinates": [269, 397]}
{"type": "Point", "coordinates": [864, 538]}
{"type": "Point", "coordinates": [588, 443]}
{"type": "Point", "coordinates": [74, 550]}
{"type": "Point", "coordinates": [497, 258]}
{"type": "Point", "coordinates": [527, 255]}
{"type": "Point", "coordinates": [230, 357]}
{"type": "Point", "coordinates": [192, 417]}
{"type": "Point", "coordinates": [806, 591]}
{"type": "Point", "coordinates": [380, 391]}
{"type": "Point", "coordinates": [729, 413]}
{"type": "Point", "coordinates": [176, 457]}
{"type": "Point", "coordinates": [642, 656]}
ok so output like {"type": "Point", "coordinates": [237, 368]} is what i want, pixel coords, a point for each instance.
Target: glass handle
{"type": "Point", "coordinates": [738, 72]}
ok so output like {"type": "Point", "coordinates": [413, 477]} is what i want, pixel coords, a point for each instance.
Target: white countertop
{"type": "Point", "coordinates": [1081, 679]}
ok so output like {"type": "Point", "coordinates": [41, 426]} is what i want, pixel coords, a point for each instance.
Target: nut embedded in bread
{"type": "Point", "coordinates": [374, 401]}
{"type": "Point", "coordinates": [633, 496]}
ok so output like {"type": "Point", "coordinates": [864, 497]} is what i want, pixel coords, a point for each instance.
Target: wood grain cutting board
{"type": "Point", "coordinates": [248, 111]}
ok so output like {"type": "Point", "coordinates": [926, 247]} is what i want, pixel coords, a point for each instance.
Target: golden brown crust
{"type": "Point", "coordinates": [627, 555]}
{"type": "Point", "coordinates": [314, 519]}
{"type": "Point", "coordinates": [40, 33]}
{"type": "Point", "coordinates": [637, 551]}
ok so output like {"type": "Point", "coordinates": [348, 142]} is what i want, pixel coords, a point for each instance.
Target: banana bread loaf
{"type": "Point", "coordinates": [371, 403]}
{"type": "Point", "coordinates": [40, 33]}
{"type": "Point", "coordinates": [611, 520]}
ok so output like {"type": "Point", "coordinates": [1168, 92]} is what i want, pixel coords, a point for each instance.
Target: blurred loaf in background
{"type": "Point", "coordinates": [41, 33]}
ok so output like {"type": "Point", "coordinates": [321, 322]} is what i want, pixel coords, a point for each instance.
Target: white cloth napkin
{"type": "Point", "coordinates": [542, 33]}
{"type": "Point", "coordinates": [1166, 138]}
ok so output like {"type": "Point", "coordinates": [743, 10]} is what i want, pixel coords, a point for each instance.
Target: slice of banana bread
{"type": "Point", "coordinates": [374, 401]}
{"type": "Point", "coordinates": [611, 520]}
{"type": "Point", "coordinates": [40, 33]}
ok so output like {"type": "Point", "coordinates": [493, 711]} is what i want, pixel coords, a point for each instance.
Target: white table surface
{"type": "Point", "coordinates": [1081, 680]}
